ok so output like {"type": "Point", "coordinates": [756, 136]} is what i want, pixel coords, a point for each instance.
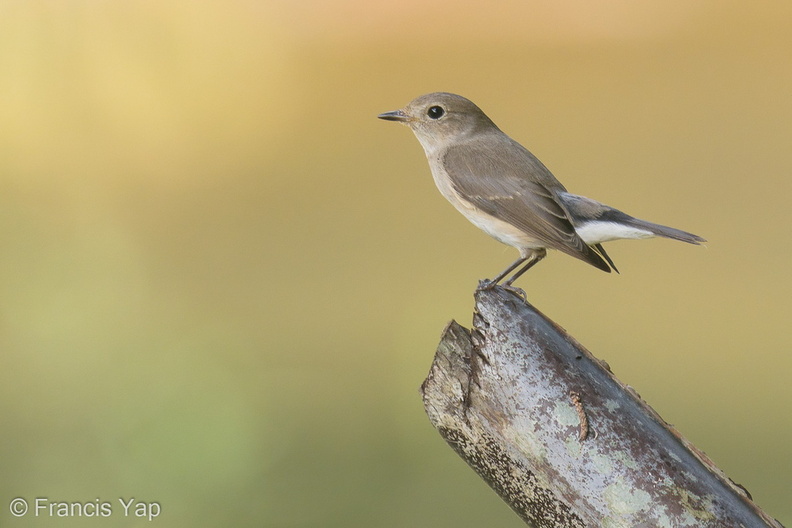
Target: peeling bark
{"type": "Point", "coordinates": [559, 438]}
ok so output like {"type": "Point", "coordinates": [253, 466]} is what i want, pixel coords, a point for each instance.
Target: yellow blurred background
{"type": "Point", "coordinates": [222, 279]}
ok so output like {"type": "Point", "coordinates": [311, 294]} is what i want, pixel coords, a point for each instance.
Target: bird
{"type": "Point", "coordinates": [503, 189]}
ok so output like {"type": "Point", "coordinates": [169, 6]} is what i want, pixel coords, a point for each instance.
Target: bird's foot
{"type": "Point", "coordinates": [486, 284]}
{"type": "Point", "coordinates": [519, 292]}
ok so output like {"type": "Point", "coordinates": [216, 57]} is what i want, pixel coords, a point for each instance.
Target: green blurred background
{"type": "Point", "coordinates": [222, 279]}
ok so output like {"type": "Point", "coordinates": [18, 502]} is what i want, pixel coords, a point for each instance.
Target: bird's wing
{"type": "Point", "coordinates": [512, 185]}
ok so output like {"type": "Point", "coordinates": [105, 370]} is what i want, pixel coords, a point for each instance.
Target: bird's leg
{"type": "Point", "coordinates": [489, 284]}
{"type": "Point", "coordinates": [535, 256]}
{"type": "Point", "coordinates": [533, 259]}
{"type": "Point", "coordinates": [528, 265]}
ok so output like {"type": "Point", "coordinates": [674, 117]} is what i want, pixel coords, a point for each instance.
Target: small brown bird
{"type": "Point", "coordinates": [508, 193]}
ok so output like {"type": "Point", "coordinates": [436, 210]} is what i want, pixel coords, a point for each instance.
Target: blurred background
{"type": "Point", "coordinates": [222, 279]}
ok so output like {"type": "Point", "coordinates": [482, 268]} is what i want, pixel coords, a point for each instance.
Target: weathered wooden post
{"type": "Point", "coordinates": [559, 438]}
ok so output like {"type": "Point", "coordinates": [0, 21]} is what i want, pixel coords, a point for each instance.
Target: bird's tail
{"type": "Point", "coordinates": [664, 231]}
{"type": "Point", "coordinates": [596, 222]}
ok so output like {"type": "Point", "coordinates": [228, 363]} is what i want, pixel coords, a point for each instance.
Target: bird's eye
{"type": "Point", "coordinates": [435, 112]}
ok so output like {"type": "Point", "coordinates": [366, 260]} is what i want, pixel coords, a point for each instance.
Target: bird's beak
{"type": "Point", "coordinates": [396, 115]}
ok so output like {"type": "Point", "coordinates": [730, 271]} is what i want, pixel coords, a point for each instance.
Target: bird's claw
{"type": "Point", "coordinates": [519, 292]}
{"type": "Point", "coordinates": [486, 284]}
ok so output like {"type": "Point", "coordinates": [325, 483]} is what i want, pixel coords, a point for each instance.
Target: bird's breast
{"type": "Point", "coordinates": [498, 229]}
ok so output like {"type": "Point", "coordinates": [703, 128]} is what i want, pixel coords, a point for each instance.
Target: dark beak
{"type": "Point", "coordinates": [396, 115]}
